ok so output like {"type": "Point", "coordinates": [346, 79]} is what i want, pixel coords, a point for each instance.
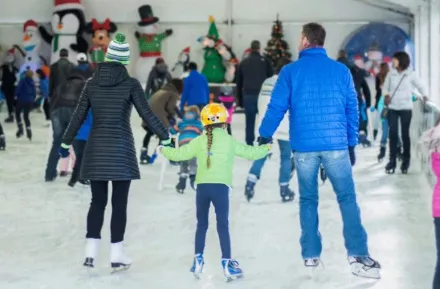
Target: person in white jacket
{"type": "Point", "coordinates": [281, 135]}
{"type": "Point", "coordinates": [398, 89]}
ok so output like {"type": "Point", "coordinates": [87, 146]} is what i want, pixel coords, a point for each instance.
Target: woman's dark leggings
{"type": "Point", "coordinates": [436, 283]}
{"type": "Point", "coordinates": [218, 194]}
{"type": "Point", "coordinates": [95, 217]}
{"type": "Point", "coordinates": [46, 109]}
{"type": "Point", "coordinates": [393, 121]}
{"type": "Point", "coordinates": [79, 147]}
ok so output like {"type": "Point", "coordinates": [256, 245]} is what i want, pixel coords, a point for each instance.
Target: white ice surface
{"type": "Point", "coordinates": [42, 228]}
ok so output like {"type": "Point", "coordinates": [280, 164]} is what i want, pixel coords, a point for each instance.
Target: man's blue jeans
{"type": "Point", "coordinates": [250, 102]}
{"type": "Point", "coordinates": [338, 168]}
{"type": "Point", "coordinates": [285, 164]}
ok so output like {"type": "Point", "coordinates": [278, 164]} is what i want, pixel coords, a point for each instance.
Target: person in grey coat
{"type": "Point", "coordinates": [110, 154]}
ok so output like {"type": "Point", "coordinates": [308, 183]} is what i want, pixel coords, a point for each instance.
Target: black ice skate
{"type": "Point", "coordinates": [322, 173]}
{"type": "Point", "coordinates": [365, 267]}
{"type": "Point", "coordinates": [249, 190]}
{"type": "Point", "coordinates": [2, 143]}
{"type": "Point", "coordinates": [390, 167]}
{"type": "Point", "coordinates": [405, 165]}
{"type": "Point", "coordinates": [181, 185]}
{"type": "Point", "coordinates": [20, 131]}
{"type": "Point", "coordinates": [9, 119]}
{"type": "Point", "coordinates": [144, 159]}
{"type": "Point", "coordinates": [381, 154]}
{"type": "Point", "coordinates": [29, 133]}
{"type": "Point", "coordinates": [287, 195]}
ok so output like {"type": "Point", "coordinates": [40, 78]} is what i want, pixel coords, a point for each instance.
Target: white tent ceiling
{"type": "Point", "coordinates": [408, 5]}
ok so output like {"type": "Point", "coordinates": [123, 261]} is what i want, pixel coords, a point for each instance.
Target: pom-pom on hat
{"type": "Point", "coordinates": [118, 50]}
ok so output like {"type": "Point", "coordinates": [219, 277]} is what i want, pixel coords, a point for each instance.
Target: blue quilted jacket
{"type": "Point", "coordinates": [322, 102]}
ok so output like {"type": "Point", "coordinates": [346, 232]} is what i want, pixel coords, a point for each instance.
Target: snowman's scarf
{"type": "Point", "coordinates": [56, 40]}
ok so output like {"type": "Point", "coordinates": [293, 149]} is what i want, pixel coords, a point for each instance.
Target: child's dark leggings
{"type": "Point", "coordinates": [218, 194]}
{"type": "Point", "coordinates": [436, 282]}
{"type": "Point", "coordinates": [1, 130]}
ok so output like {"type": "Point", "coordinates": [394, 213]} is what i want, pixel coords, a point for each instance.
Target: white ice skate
{"type": "Point", "coordinates": [231, 269]}
{"type": "Point", "coordinates": [312, 265]}
{"type": "Point", "coordinates": [365, 267]}
{"type": "Point", "coordinates": [92, 246]}
{"type": "Point", "coordinates": [119, 261]}
{"type": "Point", "coordinates": [197, 267]}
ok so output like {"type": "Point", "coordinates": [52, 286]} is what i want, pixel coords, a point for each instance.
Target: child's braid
{"type": "Point", "coordinates": [209, 135]}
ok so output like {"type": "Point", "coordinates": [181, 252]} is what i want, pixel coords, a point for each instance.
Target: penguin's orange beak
{"type": "Point", "coordinates": [60, 26]}
{"type": "Point", "coordinates": [26, 38]}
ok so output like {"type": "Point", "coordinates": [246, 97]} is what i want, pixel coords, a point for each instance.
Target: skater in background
{"type": "Point", "coordinates": [384, 68]}
{"type": "Point", "coordinates": [79, 145]}
{"type": "Point", "coordinates": [215, 151]}
{"type": "Point", "coordinates": [430, 140]}
{"type": "Point", "coordinates": [363, 94]}
{"type": "Point", "coordinates": [188, 129]}
{"type": "Point", "coordinates": [84, 67]}
{"type": "Point", "coordinates": [163, 104]}
{"type": "Point", "coordinates": [44, 91]}
{"type": "Point", "coordinates": [282, 135]}
{"type": "Point", "coordinates": [110, 154]}
{"type": "Point", "coordinates": [63, 102]}
{"type": "Point", "coordinates": [321, 134]}
{"type": "Point", "coordinates": [26, 94]}
{"type": "Point", "coordinates": [9, 78]}
{"type": "Point", "coordinates": [195, 88]}
{"type": "Point", "coordinates": [2, 139]}
{"type": "Point", "coordinates": [158, 77]}
{"type": "Point", "coordinates": [227, 98]}
{"type": "Point", "coordinates": [398, 91]}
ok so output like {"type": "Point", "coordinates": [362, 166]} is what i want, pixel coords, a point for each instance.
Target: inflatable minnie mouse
{"type": "Point", "coordinates": [101, 38]}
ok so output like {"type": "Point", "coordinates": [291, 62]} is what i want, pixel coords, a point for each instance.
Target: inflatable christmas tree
{"type": "Point", "coordinates": [277, 47]}
{"type": "Point", "coordinates": [213, 69]}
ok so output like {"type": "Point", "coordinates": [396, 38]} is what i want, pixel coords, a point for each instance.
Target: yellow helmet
{"type": "Point", "coordinates": [214, 113]}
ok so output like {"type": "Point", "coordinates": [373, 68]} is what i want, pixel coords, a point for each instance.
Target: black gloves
{"type": "Point", "coordinates": [263, 140]}
{"type": "Point", "coordinates": [352, 154]}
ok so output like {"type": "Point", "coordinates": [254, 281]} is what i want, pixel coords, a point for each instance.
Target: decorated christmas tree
{"type": "Point", "coordinates": [277, 47]}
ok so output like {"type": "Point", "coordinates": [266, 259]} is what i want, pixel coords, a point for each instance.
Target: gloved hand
{"type": "Point", "coordinates": [263, 140]}
{"type": "Point", "coordinates": [372, 108]}
{"type": "Point", "coordinates": [168, 143]}
{"type": "Point", "coordinates": [352, 154]}
{"type": "Point", "coordinates": [64, 151]}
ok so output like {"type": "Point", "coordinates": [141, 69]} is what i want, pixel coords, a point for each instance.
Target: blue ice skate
{"type": "Point", "coordinates": [231, 269]}
{"type": "Point", "coordinates": [197, 266]}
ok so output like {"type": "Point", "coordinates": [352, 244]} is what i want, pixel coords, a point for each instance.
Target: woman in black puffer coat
{"type": "Point", "coordinates": [110, 153]}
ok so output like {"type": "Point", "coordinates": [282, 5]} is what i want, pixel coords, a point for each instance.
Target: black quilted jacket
{"type": "Point", "coordinates": [110, 153]}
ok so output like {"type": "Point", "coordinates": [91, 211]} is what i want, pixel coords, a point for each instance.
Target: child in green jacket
{"type": "Point", "coordinates": [215, 152]}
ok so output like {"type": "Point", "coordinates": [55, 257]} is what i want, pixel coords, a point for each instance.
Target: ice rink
{"type": "Point", "coordinates": [43, 228]}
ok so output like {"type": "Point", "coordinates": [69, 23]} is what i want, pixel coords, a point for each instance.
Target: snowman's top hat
{"type": "Point", "coordinates": [147, 16]}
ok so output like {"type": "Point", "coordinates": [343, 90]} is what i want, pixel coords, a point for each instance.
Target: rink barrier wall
{"type": "Point", "coordinates": [425, 116]}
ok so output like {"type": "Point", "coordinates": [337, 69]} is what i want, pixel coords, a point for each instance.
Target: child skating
{"type": "Point", "coordinates": [26, 94]}
{"type": "Point", "coordinates": [215, 151]}
{"type": "Point", "coordinates": [188, 129]}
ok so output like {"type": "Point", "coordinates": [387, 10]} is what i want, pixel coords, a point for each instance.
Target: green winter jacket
{"type": "Point", "coordinates": [224, 149]}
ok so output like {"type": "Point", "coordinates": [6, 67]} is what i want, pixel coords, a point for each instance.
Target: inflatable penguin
{"type": "Point", "coordinates": [180, 69]}
{"type": "Point", "coordinates": [68, 24]}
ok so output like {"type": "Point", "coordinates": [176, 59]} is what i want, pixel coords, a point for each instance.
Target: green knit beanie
{"type": "Point", "coordinates": [118, 50]}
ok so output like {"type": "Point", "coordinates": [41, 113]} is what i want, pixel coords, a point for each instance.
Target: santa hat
{"type": "Point", "coordinates": [11, 51]}
{"type": "Point", "coordinates": [387, 59]}
{"type": "Point", "coordinates": [67, 4]}
{"type": "Point", "coordinates": [30, 24]}
{"type": "Point", "coordinates": [186, 50]}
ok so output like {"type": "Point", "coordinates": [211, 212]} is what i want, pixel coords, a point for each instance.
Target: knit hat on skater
{"type": "Point", "coordinates": [118, 50]}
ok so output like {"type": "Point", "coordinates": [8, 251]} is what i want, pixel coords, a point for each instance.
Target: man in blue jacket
{"type": "Point", "coordinates": [195, 89]}
{"type": "Point", "coordinates": [322, 102]}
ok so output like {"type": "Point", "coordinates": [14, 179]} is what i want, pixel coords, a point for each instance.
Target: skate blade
{"type": "Point", "coordinates": [234, 278]}
{"type": "Point", "coordinates": [375, 276]}
{"type": "Point", "coordinates": [119, 268]}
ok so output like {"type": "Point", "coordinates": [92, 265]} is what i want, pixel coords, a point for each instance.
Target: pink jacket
{"type": "Point", "coordinates": [228, 102]}
{"type": "Point", "coordinates": [431, 141]}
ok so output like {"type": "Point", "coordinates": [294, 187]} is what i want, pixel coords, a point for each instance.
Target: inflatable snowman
{"type": "Point", "coordinates": [31, 45]}
{"type": "Point", "coordinates": [68, 24]}
{"type": "Point", "coordinates": [150, 42]}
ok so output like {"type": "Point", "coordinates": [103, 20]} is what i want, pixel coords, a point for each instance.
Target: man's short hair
{"type": "Point", "coordinates": [283, 61]}
{"type": "Point", "coordinates": [403, 58]}
{"type": "Point", "coordinates": [64, 52]}
{"type": "Point", "coordinates": [255, 45]}
{"type": "Point", "coordinates": [315, 33]}
{"type": "Point", "coordinates": [178, 84]}
{"type": "Point", "coordinates": [192, 66]}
